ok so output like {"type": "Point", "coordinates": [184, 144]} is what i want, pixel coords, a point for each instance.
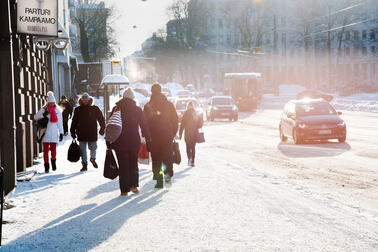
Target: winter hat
{"type": "Point", "coordinates": [156, 89]}
{"type": "Point", "coordinates": [50, 97]}
{"type": "Point", "coordinates": [129, 93]}
{"type": "Point", "coordinates": [85, 96]}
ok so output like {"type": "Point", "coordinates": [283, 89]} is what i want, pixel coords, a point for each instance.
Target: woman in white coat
{"type": "Point", "coordinates": [54, 131]}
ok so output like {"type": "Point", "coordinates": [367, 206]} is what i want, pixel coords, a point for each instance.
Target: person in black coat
{"type": "Point", "coordinates": [67, 112]}
{"type": "Point", "coordinates": [190, 123]}
{"type": "Point", "coordinates": [128, 144]}
{"type": "Point", "coordinates": [84, 127]}
{"type": "Point", "coordinates": [163, 123]}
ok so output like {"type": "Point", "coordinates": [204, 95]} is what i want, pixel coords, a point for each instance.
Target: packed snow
{"type": "Point", "coordinates": [248, 192]}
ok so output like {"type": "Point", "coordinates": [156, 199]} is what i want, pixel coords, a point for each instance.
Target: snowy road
{"type": "Point", "coordinates": [248, 192]}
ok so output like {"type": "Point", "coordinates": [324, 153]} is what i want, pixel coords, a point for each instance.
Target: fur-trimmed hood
{"type": "Point", "coordinates": [90, 102]}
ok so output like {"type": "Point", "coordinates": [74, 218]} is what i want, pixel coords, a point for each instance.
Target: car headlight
{"type": "Point", "coordinates": [215, 108]}
{"type": "Point", "coordinates": [235, 108]}
{"type": "Point", "coordinates": [301, 125]}
{"type": "Point", "coordinates": [341, 124]}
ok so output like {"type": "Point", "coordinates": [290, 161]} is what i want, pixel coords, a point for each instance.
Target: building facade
{"type": "Point", "coordinates": [328, 45]}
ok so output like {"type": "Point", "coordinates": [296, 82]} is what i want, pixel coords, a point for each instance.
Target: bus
{"type": "Point", "coordinates": [245, 88]}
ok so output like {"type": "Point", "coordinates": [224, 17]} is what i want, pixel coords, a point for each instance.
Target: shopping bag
{"type": "Point", "coordinates": [110, 168]}
{"type": "Point", "coordinates": [113, 129]}
{"type": "Point", "coordinates": [200, 137]}
{"type": "Point", "coordinates": [176, 156]}
{"type": "Point", "coordinates": [74, 152]}
{"type": "Point", "coordinates": [143, 154]}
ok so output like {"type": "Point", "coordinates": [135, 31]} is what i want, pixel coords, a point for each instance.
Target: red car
{"type": "Point", "coordinates": [314, 119]}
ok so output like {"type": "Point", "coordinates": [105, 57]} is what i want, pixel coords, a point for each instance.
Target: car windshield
{"type": "Point", "coordinates": [222, 101]}
{"type": "Point", "coordinates": [319, 108]}
{"type": "Point", "coordinates": [181, 105]}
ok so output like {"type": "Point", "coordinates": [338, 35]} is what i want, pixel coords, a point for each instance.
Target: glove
{"type": "Point", "coordinates": [149, 146]}
{"type": "Point", "coordinates": [102, 131]}
{"type": "Point", "coordinates": [60, 137]}
{"type": "Point", "coordinates": [73, 135]}
{"type": "Point", "coordinates": [46, 113]}
{"type": "Point", "coordinates": [108, 145]}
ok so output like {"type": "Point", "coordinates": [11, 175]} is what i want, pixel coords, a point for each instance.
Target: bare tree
{"type": "Point", "coordinates": [97, 40]}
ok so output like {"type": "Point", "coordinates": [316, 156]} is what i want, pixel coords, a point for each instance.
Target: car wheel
{"type": "Point", "coordinates": [282, 136]}
{"type": "Point", "coordinates": [296, 137]}
{"type": "Point", "coordinates": [342, 140]}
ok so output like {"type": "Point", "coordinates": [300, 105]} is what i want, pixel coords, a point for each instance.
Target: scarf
{"type": "Point", "coordinates": [52, 112]}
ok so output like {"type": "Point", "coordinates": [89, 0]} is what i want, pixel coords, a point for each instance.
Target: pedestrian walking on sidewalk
{"type": "Point", "coordinates": [84, 127]}
{"type": "Point", "coordinates": [67, 112]}
{"type": "Point", "coordinates": [190, 123]}
{"type": "Point", "coordinates": [54, 130]}
{"type": "Point", "coordinates": [128, 143]}
{"type": "Point", "coordinates": [163, 123]}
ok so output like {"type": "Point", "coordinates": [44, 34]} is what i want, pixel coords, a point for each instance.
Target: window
{"type": "Point", "coordinates": [347, 51]}
{"type": "Point", "coordinates": [347, 35]}
{"type": "Point", "coordinates": [284, 39]}
{"type": "Point", "coordinates": [355, 34]}
{"type": "Point", "coordinates": [373, 49]}
{"type": "Point", "coordinates": [220, 23]}
{"type": "Point", "coordinates": [363, 34]}
{"type": "Point", "coordinates": [283, 21]}
{"type": "Point", "coordinates": [364, 51]}
{"type": "Point", "coordinates": [372, 35]}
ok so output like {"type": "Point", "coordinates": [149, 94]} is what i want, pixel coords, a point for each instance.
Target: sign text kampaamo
{"type": "Point", "coordinates": [37, 17]}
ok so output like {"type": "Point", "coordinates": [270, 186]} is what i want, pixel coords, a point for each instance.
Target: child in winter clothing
{"type": "Point", "coordinates": [54, 131]}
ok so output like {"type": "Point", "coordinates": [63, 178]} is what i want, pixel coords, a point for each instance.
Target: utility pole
{"type": "Point", "coordinates": [7, 98]}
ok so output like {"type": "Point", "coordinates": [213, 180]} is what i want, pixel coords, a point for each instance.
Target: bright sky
{"type": "Point", "coordinates": [148, 16]}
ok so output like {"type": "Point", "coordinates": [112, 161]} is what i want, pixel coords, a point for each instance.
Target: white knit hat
{"type": "Point", "coordinates": [129, 93]}
{"type": "Point", "coordinates": [50, 97]}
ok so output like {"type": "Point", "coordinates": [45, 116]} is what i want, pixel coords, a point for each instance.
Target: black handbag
{"type": "Point", "coordinates": [176, 156]}
{"type": "Point", "coordinates": [110, 168]}
{"type": "Point", "coordinates": [200, 137]}
{"type": "Point", "coordinates": [74, 152]}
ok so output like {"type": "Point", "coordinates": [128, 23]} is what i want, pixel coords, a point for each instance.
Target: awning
{"type": "Point", "coordinates": [115, 79]}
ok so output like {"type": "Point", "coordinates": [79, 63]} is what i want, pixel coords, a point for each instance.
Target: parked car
{"type": "Point", "coordinates": [222, 107]}
{"type": "Point", "coordinates": [166, 91]}
{"type": "Point", "coordinates": [143, 91]}
{"type": "Point", "coordinates": [184, 94]}
{"type": "Point", "coordinates": [181, 103]}
{"type": "Point", "coordinates": [311, 119]}
{"type": "Point", "coordinates": [314, 94]}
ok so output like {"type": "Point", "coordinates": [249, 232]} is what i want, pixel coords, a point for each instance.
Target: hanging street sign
{"type": "Point", "coordinates": [37, 17]}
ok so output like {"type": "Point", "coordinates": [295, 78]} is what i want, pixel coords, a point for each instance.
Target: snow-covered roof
{"type": "Point", "coordinates": [243, 75]}
{"type": "Point", "coordinates": [115, 79]}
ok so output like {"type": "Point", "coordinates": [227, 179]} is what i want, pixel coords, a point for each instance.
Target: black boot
{"type": "Point", "coordinates": [159, 181]}
{"type": "Point", "coordinates": [47, 167]}
{"type": "Point", "coordinates": [85, 168]}
{"type": "Point", "coordinates": [53, 164]}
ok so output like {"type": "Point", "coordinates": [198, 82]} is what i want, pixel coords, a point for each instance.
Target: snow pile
{"type": "Point", "coordinates": [358, 102]}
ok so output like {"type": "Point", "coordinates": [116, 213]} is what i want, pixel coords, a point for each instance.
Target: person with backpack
{"type": "Point", "coordinates": [53, 132]}
{"type": "Point", "coordinates": [67, 112]}
{"type": "Point", "coordinates": [128, 143]}
{"type": "Point", "coordinates": [84, 127]}
{"type": "Point", "coordinates": [163, 123]}
{"type": "Point", "coordinates": [190, 123]}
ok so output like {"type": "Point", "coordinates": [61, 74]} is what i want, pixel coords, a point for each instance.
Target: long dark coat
{"type": "Point", "coordinates": [132, 117]}
{"type": "Point", "coordinates": [191, 122]}
{"type": "Point", "coordinates": [84, 122]}
{"type": "Point", "coordinates": [162, 119]}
